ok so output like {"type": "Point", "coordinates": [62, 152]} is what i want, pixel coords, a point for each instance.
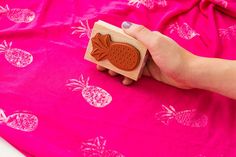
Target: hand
{"type": "Point", "coordinates": [173, 65]}
{"type": "Point", "coordinates": [168, 61]}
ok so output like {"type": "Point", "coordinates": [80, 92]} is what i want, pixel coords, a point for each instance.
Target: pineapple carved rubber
{"type": "Point", "coordinates": [121, 55]}
{"type": "Point", "coordinates": [95, 96]}
{"type": "Point", "coordinates": [17, 15]}
{"type": "Point", "coordinates": [17, 57]}
{"type": "Point", "coordinates": [20, 121]}
{"type": "Point", "coordinates": [187, 117]}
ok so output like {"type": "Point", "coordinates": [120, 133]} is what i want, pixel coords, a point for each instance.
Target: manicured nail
{"type": "Point", "coordinates": [126, 24]}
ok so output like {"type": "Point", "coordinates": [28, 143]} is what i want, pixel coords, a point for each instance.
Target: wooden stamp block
{"type": "Point", "coordinates": [111, 48]}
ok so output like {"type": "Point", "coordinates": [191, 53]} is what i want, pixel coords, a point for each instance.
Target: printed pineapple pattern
{"type": "Point", "coordinates": [228, 33]}
{"type": "Point", "coordinates": [17, 15]}
{"type": "Point", "coordinates": [188, 118]}
{"type": "Point", "coordinates": [148, 3]}
{"type": "Point", "coordinates": [96, 147]}
{"type": "Point", "coordinates": [17, 57]}
{"type": "Point", "coordinates": [184, 31]}
{"type": "Point", "coordinates": [83, 30]}
{"type": "Point", "coordinates": [222, 3]}
{"type": "Point", "coordinates": [95, 96]}
{"type": "Point", "coordinates": [121, 55]}
{"type": "Point", "coordinates": [20, 121]}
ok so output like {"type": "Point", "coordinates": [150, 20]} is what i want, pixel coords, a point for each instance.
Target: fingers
{"type": "Point", "coordinates": [153, 70]}
{"type": "Point", "coordinates": [112, 73]}
{"type": "Point", "coordinates": [144, 35]}
{"type": "Point", "coordinates": [147, 37]}
{"type": "Point", "coordinates": [146, 72]}
{"type": "Point", "coordinates": [101, 68]}
{"type": "Point", "coordinates": [126, 81]}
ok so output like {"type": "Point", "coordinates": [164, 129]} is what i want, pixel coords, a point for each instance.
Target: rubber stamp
{"type": "Point", "coordinates": [111, 48]}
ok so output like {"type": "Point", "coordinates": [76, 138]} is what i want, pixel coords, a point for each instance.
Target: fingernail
{"type": "Point", "coordinates": [126, 25]}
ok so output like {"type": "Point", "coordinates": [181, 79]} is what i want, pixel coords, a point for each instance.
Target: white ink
{"type": "Point", "coordinates": [17, 57]}
{"type": "Point", "coordinates": [112, 153]}
{"type": "Point", "coordinates": [228, 33]}
{"type": "Point", "coordinates": [148, 3]}
{"type": "Point", "coordinates": [18, 15]}
{"type": "Point", "coordinates": [161, 3]}
{"type": "Point", "coordinates": [184, 31]}
{"type": "Point", "coordinates": [3, 117]}
{"type": "Point", "coordinates": [20, 121]}
{"type": "Point", "coordinates": [96, 148]}
{"type": "Point", "coordinates": [222, 3]}
{"type": "Point", "coordinates": [187, 117]}
{"type": "Point", "coordinates": [83, 30]}
{"type": "Point", "coordinates": [95, 96]}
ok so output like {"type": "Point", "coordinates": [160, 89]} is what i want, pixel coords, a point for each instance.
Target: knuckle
{"type": "Point", "coordinates": [140, 29]}
{"type": "Point", "coordinates": [157, 37]}
{"type": "Point", "coordinates": [155, 41]}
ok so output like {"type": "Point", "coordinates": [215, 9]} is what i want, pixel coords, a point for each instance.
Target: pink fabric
{"type": "Point", "coordinates": [147, 119]}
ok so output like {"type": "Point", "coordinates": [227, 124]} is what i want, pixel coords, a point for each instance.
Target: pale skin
{"type": "Point", "coordinates": [172, 64]}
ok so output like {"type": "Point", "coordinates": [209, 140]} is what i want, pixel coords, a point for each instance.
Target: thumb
{"type": "Point", "coordinates": [148, 38]}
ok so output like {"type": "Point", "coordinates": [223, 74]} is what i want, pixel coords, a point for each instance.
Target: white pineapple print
{"type": "Point", "coordinates": [95, 96]}
{"type": "Point", "coordinates": [17, 57]}
{"type": "Point", "coordinates": [228, 33]}
{"type": "Point", "coordinates": [18, 15]}
{"type": "Point", "coordinates": [148, 3]}
{"type": "Point", "coordinates": [96, 148]}
{"type": "Point", "coordinates": [184, 31]}
{"type": "Point", "coordinates": [20, 121]}
{"type": "Point", "coordinates": [83, 30]}
{"type": "Point", "coordinates": [186, 117]}
{"type": "Point", "coordinates": [161, 3]}
{"type": "Point", "coordinates": [223, 3]}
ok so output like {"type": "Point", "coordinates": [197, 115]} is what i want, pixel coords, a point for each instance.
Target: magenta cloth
{"type": "Point", "coordinates": [41, 62]}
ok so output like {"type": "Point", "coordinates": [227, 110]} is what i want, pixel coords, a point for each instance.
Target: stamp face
{"type": "Point", "coordinates": [111, 48]}
{"type": "Point", "coordinates": [122, 55]}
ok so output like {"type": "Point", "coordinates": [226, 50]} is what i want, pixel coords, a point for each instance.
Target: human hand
{"type": "Point", "coordinates": [168, 61]}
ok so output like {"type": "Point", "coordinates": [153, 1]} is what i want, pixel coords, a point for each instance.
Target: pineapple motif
{"type": "Point", "coordinates": [96, 148]}
{"type": "Point", "coordinates": [18, 15]}
{"type": "Point", "coordinates": [121, 55]}
{"type": "Point", "coordinates": [82, 30]}
{"type": "Point", "coordinates": [228, 33]}
{"type": "Point", "coordinates": [148, 3]}
{"type": "Point", "coordinates": [184, 31]}
{"type": "Point", "coordinates": [187, 117]}
{"type": "Point", "coordinates": [95, 96]}
{"type": "Point", "coordinates": [20, 121]}
{"type": "Point", "coordinates": [17, 57]}
{"type": "Point", "coordinates": [161, 3]}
